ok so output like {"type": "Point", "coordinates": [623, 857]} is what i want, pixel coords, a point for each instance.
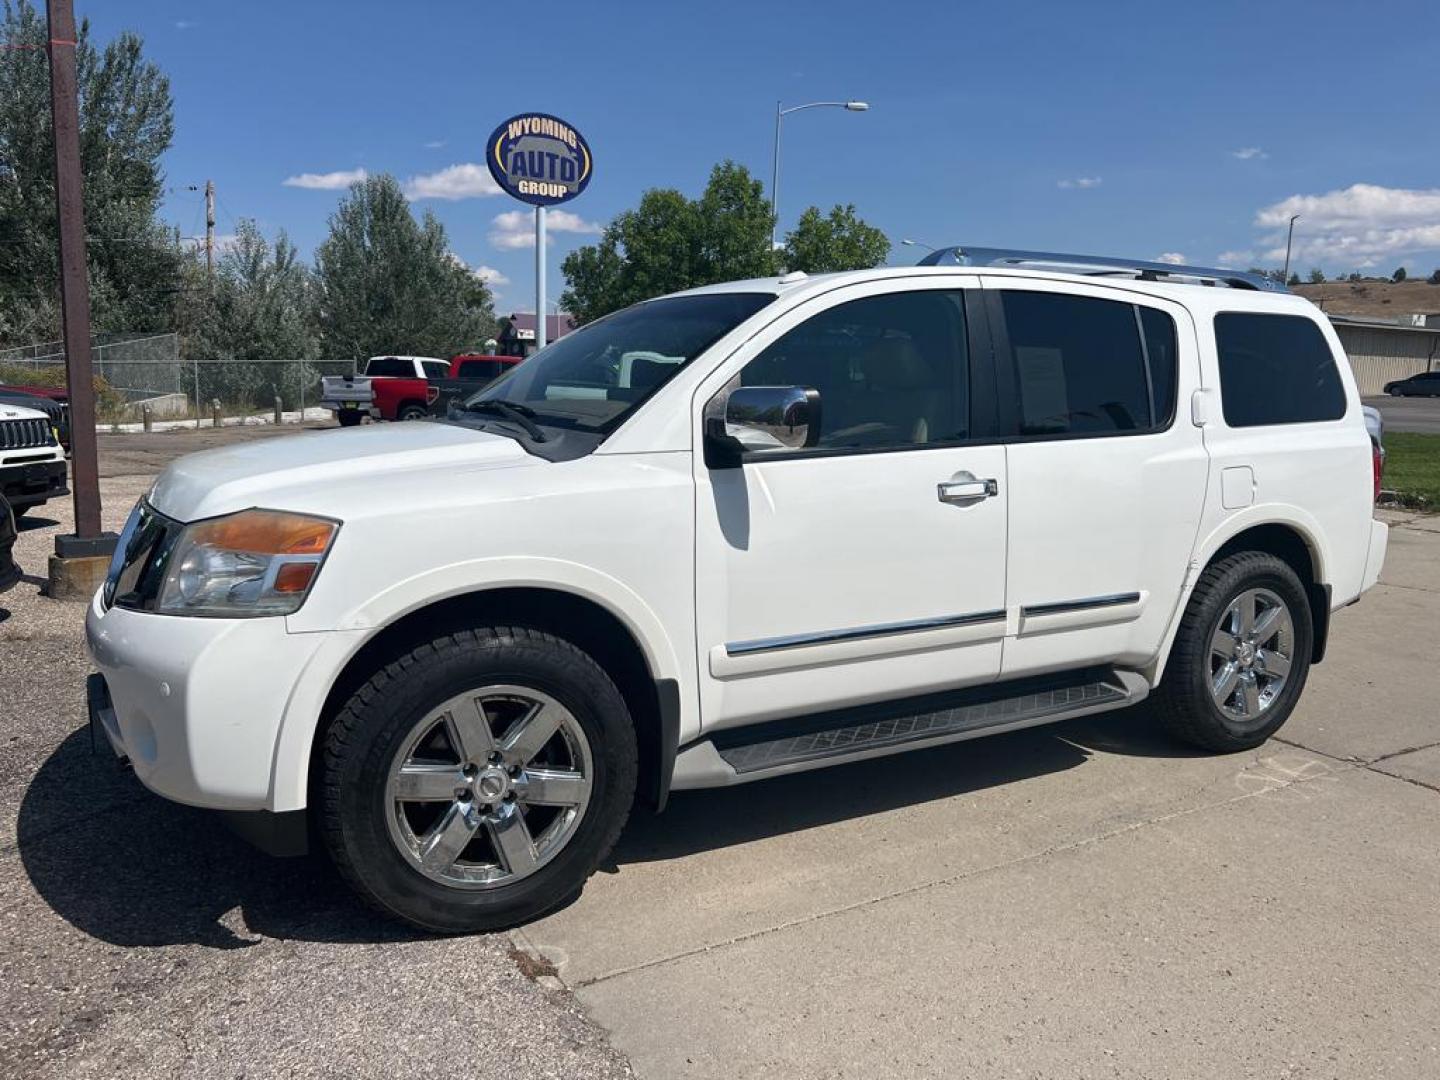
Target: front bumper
{"type": "Point", "coordinates": [33, 482]}
{"type": "Point", "coordinates": [197, 705]}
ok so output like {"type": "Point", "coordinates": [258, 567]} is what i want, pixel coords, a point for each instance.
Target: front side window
{"type": "Point", "coordinates": [593, 378]}
{"type": "Point", "coordinates": [1087, 366]}
{"type": "Point", "coordinates": [1276, 369]}
{"type": "Point", "coordinates": [890, 370]}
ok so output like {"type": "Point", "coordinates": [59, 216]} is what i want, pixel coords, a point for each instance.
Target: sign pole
{"type": "Point", "coordinates": [540, 326]}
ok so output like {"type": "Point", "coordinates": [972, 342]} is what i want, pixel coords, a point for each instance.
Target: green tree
{"type": "Point", "coordinates": [1434, 278]}
{"type": "Point", "coordinates": [669, 242]}
{"type": "Point", "coordinates": [258, 314]}
{"type": "Point", "coordinates": [1399, 275]}
{"type": "Point", "coordinates": [1317, 276]}
{"type": "Point", "coordinates": [387, 283]}
{"type": "Point", "coordinates": [840, 241]}
{"type": "Point", "coordinates": [126, 124]}
{"type": "Point", "coordinates": [1293, 280]}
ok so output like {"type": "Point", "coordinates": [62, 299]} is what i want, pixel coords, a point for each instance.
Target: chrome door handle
{"type": "Point", "coordinates": [965, 488]}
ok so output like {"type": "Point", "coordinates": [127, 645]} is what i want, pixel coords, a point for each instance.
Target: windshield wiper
{"type": "Point", "coordinates": [510, 410]}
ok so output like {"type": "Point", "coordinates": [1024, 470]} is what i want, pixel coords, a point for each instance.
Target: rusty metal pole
{"type": "Point", "coordinates": [79, 558]}
{"type": "Point", "coordinates": [74, 285]}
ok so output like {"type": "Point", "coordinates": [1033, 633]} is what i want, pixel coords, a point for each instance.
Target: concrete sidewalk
{"type": "Point", "coordinates": [1083, 900]}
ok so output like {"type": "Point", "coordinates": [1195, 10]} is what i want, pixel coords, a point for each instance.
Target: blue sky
{"type": "Point", "coordinates": [1141, 129]}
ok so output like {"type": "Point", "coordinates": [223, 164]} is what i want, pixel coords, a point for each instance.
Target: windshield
{"type": "Point", "coordinates": [593, 378]}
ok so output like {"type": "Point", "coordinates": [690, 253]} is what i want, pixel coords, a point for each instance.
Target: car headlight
{"type": "Point", "coordinates": [256, 562]}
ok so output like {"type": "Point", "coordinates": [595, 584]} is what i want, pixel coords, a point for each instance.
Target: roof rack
{"type": "Point", "coordinates": [1101, 266]}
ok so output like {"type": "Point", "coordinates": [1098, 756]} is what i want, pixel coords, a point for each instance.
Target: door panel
{"type": "Point", "coordinates": [1105, 495]}
{"type": "Point", "coordinates": [839, 575]}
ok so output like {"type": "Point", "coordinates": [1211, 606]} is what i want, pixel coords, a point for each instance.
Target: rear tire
{"type": "Point", "coordinates": [412, 412]}
{"type": "Point", "coordinates": [1241, 656]}
{"type": "Point", "coordinates": [349, 417]}
{"type": "Point", "coordinates": [434, 803]}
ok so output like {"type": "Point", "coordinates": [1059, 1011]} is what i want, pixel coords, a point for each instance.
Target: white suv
{"type": "Point", "coordinates": [735, 533]}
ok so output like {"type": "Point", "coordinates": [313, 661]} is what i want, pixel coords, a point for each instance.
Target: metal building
{"type": "Point", "coordinates": [1381, 352]}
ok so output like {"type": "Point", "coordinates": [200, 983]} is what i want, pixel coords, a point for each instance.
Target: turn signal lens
{"type": "Point", "coordinates": [256, 562]}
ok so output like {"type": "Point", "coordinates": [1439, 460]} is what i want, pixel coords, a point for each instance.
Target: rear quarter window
{"type": "Point", "coordinates": [1276, 369]}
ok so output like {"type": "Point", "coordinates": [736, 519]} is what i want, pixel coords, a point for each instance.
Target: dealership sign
{"type": "Point", "coordinates": [539, 159]}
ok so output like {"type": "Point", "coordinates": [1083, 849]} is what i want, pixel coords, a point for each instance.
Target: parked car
{"type": "Point", "coordinates": [9, 572]}
{"type": "Point", "coordinates": [47, 399]}
{"type": "Point", "coordinates": [409, 387]}
{"type": "Point", "coordinates": [736, 533]}
{"type": "Point", "coordinates": [1375, 425]}
{"type": "Point", "coordinates": [1426, 384]}
{"type": "Point", "coordinates": [32, 462]}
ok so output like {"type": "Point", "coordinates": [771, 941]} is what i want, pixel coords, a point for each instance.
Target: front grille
{"type": "Point", "coordinates": [24, 434]}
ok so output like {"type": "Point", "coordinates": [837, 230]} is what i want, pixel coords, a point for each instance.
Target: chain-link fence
{"type": "Point", "coordinates": [139, 371]}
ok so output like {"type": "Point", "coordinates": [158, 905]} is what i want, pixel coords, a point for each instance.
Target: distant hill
{"type": "Point", "coordinates": [1374, 299]}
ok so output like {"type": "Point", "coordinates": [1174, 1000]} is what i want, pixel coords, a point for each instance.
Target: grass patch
{"type": "Point", "coordinates": [1412, 468]}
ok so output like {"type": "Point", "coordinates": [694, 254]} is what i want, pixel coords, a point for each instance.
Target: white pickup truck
{"type": "Point", "coordinates": [735, 533]}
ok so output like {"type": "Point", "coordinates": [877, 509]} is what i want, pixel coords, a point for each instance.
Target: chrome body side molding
{"type": "Point", "coordinates": [1060, 606]}
{"type": "Point", "coordinates": [859, 633]}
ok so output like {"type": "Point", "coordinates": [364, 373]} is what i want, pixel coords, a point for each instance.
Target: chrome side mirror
{"type": "Point", "coordinates": [761, 419]}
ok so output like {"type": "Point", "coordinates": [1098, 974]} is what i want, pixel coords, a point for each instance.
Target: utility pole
{"type": "Point", "coordinates": [80, 559]}
{"type": "Point", "coordinates": [210, 228]}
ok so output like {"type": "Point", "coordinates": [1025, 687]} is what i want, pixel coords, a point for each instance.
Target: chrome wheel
{"type": "Point", "coordinates": [1251, 651]}
{"type": "Point", "coordinates": [489, 787]}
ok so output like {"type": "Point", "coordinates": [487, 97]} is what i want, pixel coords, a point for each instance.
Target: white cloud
{"type": "Point", "coordinates": [1246, 153]}
{"type": "Point", "coordinates": [330, 181]}
{"type": "Point", "coordinates": [515, 229]}
{"type": "Point", "coordinates": [1236, 260]}
{"type": "Point", "coordinates": [467, 181]}
{"type": "Point", "coordinates": [186, 24]}
{"type": "Point", "coordinates": [1361, 225]}
{"type": "Point", "coordinates": [1080, 182]}
{"type": "Point", "coordinates": [1174, 258]}
{"type": "Point", "coordinates": [490, 276]}
{"type": "Point", "coordinates": [434, 144]}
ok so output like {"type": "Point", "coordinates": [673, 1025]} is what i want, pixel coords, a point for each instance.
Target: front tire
{"type": "Point", "coordinates": [1241, 656]}
{"type": "Point", "coordinates": [477, 781]}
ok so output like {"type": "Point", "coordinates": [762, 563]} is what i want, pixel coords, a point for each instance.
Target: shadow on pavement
{"type": "Point", "coordinates": [128, 867]}
{"type": "Point", "coordinates": [720, 817]}
{"type": "Point", "coordinates": [31, 523]}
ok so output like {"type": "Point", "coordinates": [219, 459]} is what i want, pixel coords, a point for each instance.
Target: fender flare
{"type": "Point", "coordinates": [290, 763]}
{"type": "Point", "coordinates": [1297, 520]}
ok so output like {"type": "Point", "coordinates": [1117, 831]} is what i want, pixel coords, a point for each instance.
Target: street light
{"type": "Point", "coordinates": [849, 106]}
{"type": "Point", "coordinates": [1285, 277]}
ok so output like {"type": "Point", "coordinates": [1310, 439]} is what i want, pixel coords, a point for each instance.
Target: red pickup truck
{"type": "Point", "coordinates": [409, 387]}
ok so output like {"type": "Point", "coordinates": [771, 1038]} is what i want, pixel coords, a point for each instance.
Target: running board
{"type": "Point", "coordinates": [740, 755]}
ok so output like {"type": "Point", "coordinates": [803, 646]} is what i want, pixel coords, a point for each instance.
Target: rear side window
{"type": "Point", "coordinates": [1276, 369]}
{"type": "Point", "coordinates": [1086, 366]}
{"type": "Point", "coordinates": [390, 367]}
{"type": "Point", "coordinates": [435, 369]}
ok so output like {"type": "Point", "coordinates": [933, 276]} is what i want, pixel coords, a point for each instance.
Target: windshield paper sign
{"type": "Point", "coordinates": [539, 159]}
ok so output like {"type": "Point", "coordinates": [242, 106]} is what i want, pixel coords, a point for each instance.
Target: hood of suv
{"type": "Point", "coordinates": [330, 472]}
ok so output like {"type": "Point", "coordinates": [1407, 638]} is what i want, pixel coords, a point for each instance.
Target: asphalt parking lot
{"type": "Point", "coordinates": [1408, 413]}
{"type": "Point", "coordinates": [1085, 900]}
